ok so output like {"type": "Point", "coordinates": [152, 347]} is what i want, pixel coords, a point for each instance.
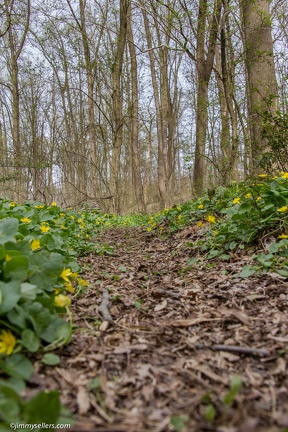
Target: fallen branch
{"type": "Point", "coordinates": [241, 350]}
{"type": "Point", "coordinates": [103, 308]}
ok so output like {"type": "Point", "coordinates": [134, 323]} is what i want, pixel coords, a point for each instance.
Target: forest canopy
{"type": "Point", "coordinates": [126, 105]}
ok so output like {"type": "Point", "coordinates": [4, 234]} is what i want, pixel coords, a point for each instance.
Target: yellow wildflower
{"type": "Point", "coordinates": [72, 217]}
{"type": "Point", "coordinates": [61, 300]}
{"type": "Point", "coordinates": [179, 217]}
{"type": "Point", "coordinates": [8, 257]}
{"type": "Point", "coordinates": [65, 274]}
{"type": "Point", "coordinates": [44, 228]}
{"type": "Point", "coordinates": [262, 175]}
{"type": "Point", "coordinates": [82, 282]}
{"type": "Point", "coordinates": [283, 236]}
{"type": "Point", "coordinates": [149, 229]}
{"type": "Point", "coordinates": [80, 221]}
{"type": "Point", "coordinates": [69, 287]}
{"type": "Point", "coordinates": [211, 219]}
{"type": "Point", "coordinates": [283, 209]}
{"type": "Point", "coordinates": [284, 175]}
{"type": "Point", "coordinates": [53, 204]}
{"type": "Point", "coordinates": [201, 206]}
{"type": "Point", "coordinates": [248, 195]}
{"type": "Point", "coordinates": [7, 342]}
{"type": "Point", "coordinates": [12, 204]}
{"type": "Point", "coordinates": [258, 198]}
{"type": "Point", "coordinates": [199, 224]}
{"type": "Point", "coordinates": [236, 201]}
{"type": "Point", "coordinates": [35, 244]}
{"type": "Point", "coordinates": [63, 227]}
{"type": "Point", "coordinates": [25, 220]}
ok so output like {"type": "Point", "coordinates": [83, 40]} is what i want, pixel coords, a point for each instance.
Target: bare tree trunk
{"type": "Point", "coordinates": [204, 64]}
{"type": "Point", "coordinates": [16, 45]}
{"type": "Point", "coordinates": [117, 109]}
{"type": "Point", "coordinates": [136, 174]}
{"type": "Point", "coordinates": [262, 84]}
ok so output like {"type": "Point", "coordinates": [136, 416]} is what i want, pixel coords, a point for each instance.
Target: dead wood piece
{"type": "Point", "coordinates": [241, 350]}
{"type": "Point", "coordinates": [103, 308]}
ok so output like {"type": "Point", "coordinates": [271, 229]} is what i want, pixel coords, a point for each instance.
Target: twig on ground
{"type": "Point", "coordinates": [241, 350]}
{"type": "Point", "coordinates": [103, 308]}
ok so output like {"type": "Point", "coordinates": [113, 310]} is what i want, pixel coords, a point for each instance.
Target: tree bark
{"type": "Point", "coordinates": [261, 77]}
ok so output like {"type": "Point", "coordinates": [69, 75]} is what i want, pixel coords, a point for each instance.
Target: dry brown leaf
{"type": "Point", "coordinates": [83, 401]}
{"type": "Point", "coordinates": [161, 306]}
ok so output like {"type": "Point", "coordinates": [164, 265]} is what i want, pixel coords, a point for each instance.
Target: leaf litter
{"type": "Point", "coordinates": [159, 342]}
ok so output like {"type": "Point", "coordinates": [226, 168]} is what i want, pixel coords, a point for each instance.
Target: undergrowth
{"type": "Point", "coordinates": [40, 276]}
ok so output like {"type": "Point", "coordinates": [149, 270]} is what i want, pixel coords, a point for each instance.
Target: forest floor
{"type": "Point", "coordinates": [179, 334]}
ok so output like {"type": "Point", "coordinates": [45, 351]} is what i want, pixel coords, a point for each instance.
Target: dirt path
{"type": "Point", "coordinates": [162, 361]}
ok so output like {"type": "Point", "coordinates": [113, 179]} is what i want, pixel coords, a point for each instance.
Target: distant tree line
{"type": "Point", "coordinates": [125, 104]}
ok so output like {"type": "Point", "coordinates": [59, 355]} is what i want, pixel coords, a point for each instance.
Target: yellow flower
{"type": "Point", "coordinates": [7, 342]}
{"type": "Point", "coordinates": [63, 227]}
{"type": "Point", "coordinates": [82, 282]}
{"type": "Point", "coordinates": [258, 198]}
{"type": "Point", "coordinates": [262, 175]}
{"type": "Point", "coordinates": [179, 217]}
{"type": "Point", "coordinates": [80, 221]}
{"type": "Point", "coordinates": [35, 244]}
{"type": "Point", "coordinates": [236, 201]}
{"type": "Point", "coordinates": [149, 229]}
{"type": "Point", "coordinates": [211, 219]}
{"type": "Point", "coordinates": [12, 204]}
{"type": "Point", "coordinates": [61, 300]}
{"type": "Point", "coordinates": [179, 208]}
{"type": "Point", "coordinates": [69, 287]}
{"type": "Point", "coordinates": [283, 209]}
{"type": "Point", "coordinates": [65, 273]}
{"type": "Point", "coordinates": [283, 236]}
{"type": "Point", "coordinates": [44, 228]}
{"type": "Point", "coordinates": [199, 224]}
{"type": "Point", "coordinates": [62, 214]}
{"type": "Point", "coordinates": [284, 175]}
{"type": "Point", "coordinates": [8, 257]}
{"type": "Point", "coordinates": [25, 220]}
{"type": "Point", "coordinates": [72, 217]}
{"type": "Point", "coordinates": [53, 204]}
{"type": "Point", "coordinates": [248, 195]}
{"type": "Point", "coordinates": [201, 206]}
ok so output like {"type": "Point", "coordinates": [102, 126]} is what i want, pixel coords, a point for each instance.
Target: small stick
{"type": "Point", "coordinates": [103, 308]}
{"type": "Point", "coordinates": [241, 350]}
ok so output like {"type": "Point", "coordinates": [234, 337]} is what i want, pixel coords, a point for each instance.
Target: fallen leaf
{"type": "Point", "coordinates": [161, 306]}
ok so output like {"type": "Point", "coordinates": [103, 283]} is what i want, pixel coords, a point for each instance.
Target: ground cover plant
{"type": "Point", "coordinates": [50, 279]}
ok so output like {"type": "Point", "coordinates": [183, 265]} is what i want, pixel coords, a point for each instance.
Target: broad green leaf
{"type": "Point", "coordinates": [8, 229]}
{"type": "Point", "coordinates": [210, 413]}
{"type": "Point", "coordinates": [16, 268]}
{"type": "Point", "coordinates": [3, 252]}
{"type": "Point", "coordinates": [178, 422]}
{"type": "Point", "coordinates": [46, 268]}
{"type": "Point", "coordinates": [247, 271]}
{"type": "Point", "coordinates": [19, 366]}
{"type": "Point", "coordinates": [50, 359]}
{"type": "Point", "coordinates": [18, 316]}
{"type": "Point", "coordinates": [39, 316]}
{"type": "Point", "coordinates": [56, 329]}
{"type": "Point", "coordinates": [10, 294]}
{"type": "Point", "coordinates": [44, 407]}
{"type": "Point", "coordinates": [28, 291]}
{"type": "Point", "coordinates": [9, 410]}
{"type": "Point", "coordinates": [30, 341]}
